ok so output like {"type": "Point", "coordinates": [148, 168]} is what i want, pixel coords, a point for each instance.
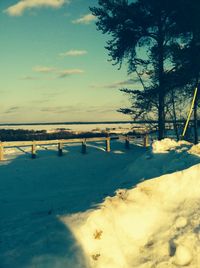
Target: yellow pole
{"type": "Point", "coordinates": [190, 112]}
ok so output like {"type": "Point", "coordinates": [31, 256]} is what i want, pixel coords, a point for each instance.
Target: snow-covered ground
{"type": "Point", "coordinates": [62, 211]}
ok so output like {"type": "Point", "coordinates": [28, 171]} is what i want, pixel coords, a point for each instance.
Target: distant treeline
{"type": "Point", "coordinates": [24, 135]}
{"type": "Point", "coordinates": [70, 123]}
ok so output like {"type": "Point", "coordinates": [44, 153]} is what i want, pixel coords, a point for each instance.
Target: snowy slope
{"type": "Point", "coordinates": [50, 215]}
{"type": "Point", "coordinates": [156, 224]}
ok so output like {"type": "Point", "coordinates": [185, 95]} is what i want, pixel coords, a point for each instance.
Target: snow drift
{"type": "Point", "coordinates": [155, 224]}
{"type": "Point", "coordinates": [195, 149]}
{"type": "Point", "coordinates": [167, 145]}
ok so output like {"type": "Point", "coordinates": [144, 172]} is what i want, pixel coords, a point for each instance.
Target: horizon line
{"type": "Point", "coordinates": [88, 122]}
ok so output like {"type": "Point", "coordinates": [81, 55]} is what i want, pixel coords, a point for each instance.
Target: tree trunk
{"type": "Point", "coordinates": [161, 98]}
{"type": "Point", "coordinates": [196, 120]}
{"type": "Point", "coordinates": [174, 116]}
{"type": "Point", "coordinates": [161, 116]}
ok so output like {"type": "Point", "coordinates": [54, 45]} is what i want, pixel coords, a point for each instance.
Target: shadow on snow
{"type": "Point", "coordinates": [35, 192]}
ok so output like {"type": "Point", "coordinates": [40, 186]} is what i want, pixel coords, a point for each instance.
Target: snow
{"type": "Point", "coordinates": [183, 256]}
{"type": "Point", "coordinates": [123, 209]}
{"type": "Point", "coordinates": [181, 222]}
{"type": "Point", "coordinates": [195, 149]}
{"type": "Point", "coordinates": [154, 224]}
{"type": "Point", "coordinates": [169, 144]}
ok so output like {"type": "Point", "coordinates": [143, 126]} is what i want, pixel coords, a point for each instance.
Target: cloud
{"type": "Point", "coordinates": [44, 69]}
{"type": "Point", "coordinates": [87, 19]}
{"type": "Point", "coordinates": [22, 5]}
{"type": "Point", "coordinates": [66, 73]}
{"type": "Point", "coordinates": [54, 73]}
{"type": "Point", "coordinates": [29, 77]}
{"type": "Point", "coordinates": [79, 108]}
{"type": "Point", "coordinates": [61, 109]}
{"type": "Point", "coordinates": [117, 84]}
{"type": "Point", "coordinates": [73, 53]}
{"type": "Point", "coordinates": [12, 109]}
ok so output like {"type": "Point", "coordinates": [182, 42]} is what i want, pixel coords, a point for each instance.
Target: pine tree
{"type": "Point", "coordinates": [142, 33]}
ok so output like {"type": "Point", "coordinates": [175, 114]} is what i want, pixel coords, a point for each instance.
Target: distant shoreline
{"type": "Point", "coordinates": [87, 123]}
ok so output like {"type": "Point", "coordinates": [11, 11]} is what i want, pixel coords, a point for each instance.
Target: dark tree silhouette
{"type": "Point", "coordinates": [186, 56]}
{"type": "Point", "coordinates": [142, 33]}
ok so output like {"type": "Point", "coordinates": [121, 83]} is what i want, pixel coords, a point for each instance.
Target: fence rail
{"type": "Point", "coordinates": [61, 142]}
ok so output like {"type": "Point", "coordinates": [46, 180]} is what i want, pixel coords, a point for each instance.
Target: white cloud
{"type": "Point", "coordinates": [43, 69]}
{"type": "Point", "coordinates": [65, 73]}
{"type": "Point", "coordinates": [85, 19]}
{"type": "Point", "coordinates": [73, 53]}
{"type": "Point", "coordinates": [54, 73]}
{"type": "Point", "coordinates": [22, 5]}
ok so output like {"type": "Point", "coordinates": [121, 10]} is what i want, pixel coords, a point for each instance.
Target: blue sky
{"type": "Point", "coordinates": [54, 65]}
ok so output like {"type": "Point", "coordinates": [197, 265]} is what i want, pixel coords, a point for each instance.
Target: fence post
{"type": "Point", "coordinates": [33, 150]}
{"type": "Point", "coordinates": [84, 146]}
{"type": "Point", "coordinates": [146, 140]}
{"type": "Point", "coordinates": [60, 149]}
{"type": "Point", "coordinates": [127, 142]}
{"type": "Point", "coordinates": [108, 144]}
{"type": "Point", "coordinates": [1, 152]}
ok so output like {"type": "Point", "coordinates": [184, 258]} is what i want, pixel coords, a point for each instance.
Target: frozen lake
{"type": "Point", "coordinates": [121, 127]}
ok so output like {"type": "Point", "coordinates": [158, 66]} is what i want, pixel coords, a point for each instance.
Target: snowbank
{"type": "Point", "coordinates": [167, 144]}
{"type": "Point", "coordinates": [195, 149]}
{"type": "Point", "coordinates": [156, 224]}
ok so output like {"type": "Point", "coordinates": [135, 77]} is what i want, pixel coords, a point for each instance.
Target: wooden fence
{"type": "Point", "coordinates": [60, 144]}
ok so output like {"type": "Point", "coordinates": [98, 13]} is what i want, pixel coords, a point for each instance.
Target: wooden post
{"type": "Point", "coordinates": [146, 140]}
{"type": "Point", "coordinates": [127, 143]}
{"type": "Point", "coordinates": [60, 149]}
{"type": "Point", "coordinates": [108, 144]}
{"type": "Point", "coordinates": [33, 150]}
{"type": "Point", "coordinates": [84, 147]}
{"type": "Point", "coordinates": [1, 152]}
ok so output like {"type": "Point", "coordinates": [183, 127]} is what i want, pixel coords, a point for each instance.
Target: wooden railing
{"type": "Point", "coordinates": [60, 144]}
